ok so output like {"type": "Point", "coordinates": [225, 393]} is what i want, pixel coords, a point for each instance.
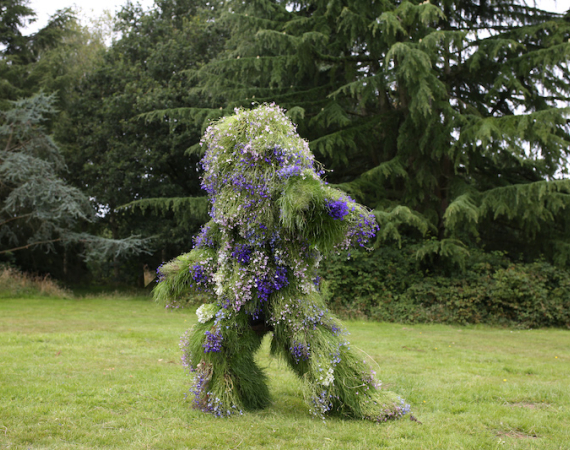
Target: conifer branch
{"type": "Point", "coordinates": [15, 218]}
{"type": "Point", "coordinates": [9, 142]}
{"type": "Point", "coordinates": [30, 245]}
{"type": "Point", "coordinates": [347, 58]}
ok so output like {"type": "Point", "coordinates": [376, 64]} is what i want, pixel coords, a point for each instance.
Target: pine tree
{"type": "Point", "coordinates": [37, 207]}
{"type": "Point", "coordinates": [447, 117]}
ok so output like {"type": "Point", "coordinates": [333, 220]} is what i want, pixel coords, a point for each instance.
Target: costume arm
{"type": "Point", "coordinates": [325, 216]}
{"type": "Point", "coordinates": [190, 272]}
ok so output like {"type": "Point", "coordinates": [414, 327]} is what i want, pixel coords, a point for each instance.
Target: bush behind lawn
{"type": "Point", "coordinates": [14, 283]}
{"type": "Point", "coordinates": [390, 285]}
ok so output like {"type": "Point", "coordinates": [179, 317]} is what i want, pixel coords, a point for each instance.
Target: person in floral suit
{"type": "Point", "coordinates": [273, 217]}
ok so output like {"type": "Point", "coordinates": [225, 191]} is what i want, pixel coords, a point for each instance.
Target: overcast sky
{"type": "Point", "coordinates": [94, 8]}
{"type": "Point", "coordinates": [89, 8]}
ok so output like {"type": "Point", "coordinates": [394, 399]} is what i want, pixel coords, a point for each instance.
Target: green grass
{"type": "Point", "coordinates": [106, 373]}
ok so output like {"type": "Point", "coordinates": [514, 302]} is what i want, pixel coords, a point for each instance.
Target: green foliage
{"type": "Point", "coordinates": [175, 285]}
{"type": "Point", "coordinates": [392, 285]}
{"type": "Point", "coordinates": [233, 378]}
{"type": "Point", "coordinates": [144, 162]}
{"type": "Point", "coordinates": [37, 207]}
{"type": "Point", "coordinates": [301, 210]}
{"type": "Point", "coordinates": [391, 220]}
{"type": "Point", "coordinates": [51, 61]}
{"type": "Point", "coordinates": [338, 375]}
{"type": "Point", "coordinates": [272, 216]}
{"type": "Point", "coordinates": [448, 118]}
{"type": "Point", "coordinates": [63, 65]}
{"type": "Point", "coordinates": [14, 15]}
{"type": "Point", "coordinates": [186, 209]}
{"type": "Point", "coordinates": [20, 74]}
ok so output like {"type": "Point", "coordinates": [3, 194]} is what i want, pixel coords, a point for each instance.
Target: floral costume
{"type": "Point", "coordinates": [256, 260]}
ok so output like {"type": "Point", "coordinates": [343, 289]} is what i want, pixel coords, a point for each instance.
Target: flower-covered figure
{"type": "Point", "coordinates": [256, 260]}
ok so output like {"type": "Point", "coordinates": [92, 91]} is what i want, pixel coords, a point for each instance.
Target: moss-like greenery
{"type": "Point", "coordinates": [390, 284]}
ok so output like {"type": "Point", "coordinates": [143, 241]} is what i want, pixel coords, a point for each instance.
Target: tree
{"type": "Point", "coordinates": [51, 60]}
{"type": "Point", "coordinates": [448, 117]}
{"type": "Point", "coordinates": [118, 157]}
{"type": "Point", "coordinates": [37, 207]}
{"type": "Point", "coordinates": [14, 15]}
{"type": "Point", "coordinates": [20, 54]}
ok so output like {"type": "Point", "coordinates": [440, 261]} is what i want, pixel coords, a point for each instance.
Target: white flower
{"type": "Point", "coordinates": [219, 282]}
{"type": "Point", "coordinates": [329, 378]}
{"type": "Point", "coordinates": [206, 312]}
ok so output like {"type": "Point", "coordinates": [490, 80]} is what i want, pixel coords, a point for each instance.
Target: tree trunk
{"type": "Point", "coordinates": [65, 264]}
{"type": "Point", "coordinates": [115, 231]}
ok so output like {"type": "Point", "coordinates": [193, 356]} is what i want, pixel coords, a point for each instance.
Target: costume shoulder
{"type": "Point", "coordinates": [327, 217]}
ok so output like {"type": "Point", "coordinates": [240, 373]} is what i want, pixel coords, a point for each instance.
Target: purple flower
{"type": "Point", "coordinates": [278, 155]}
{"type": "Point", "coordinates": [337, 209]}
{"type": "Point", "coordinates": [289, 171]}
{"type": "Point", "coordinates": [364, 231]}
{"type": "Point", "coordinates": [317, 281]}
{"type": "Point", "coordinates": [242, 252]}
{"type": "Point", "coordinates": [322, 403]}
{"type": "Point", "coordinates": [280, 280]}
{"type": "Point", "coordinates": [300, 352]}
{"type": "Point", "coordinates": [200, 382]}
{"type": "Point", "coordinates": [159, 275]}
{"type": "Point", "coordinates": [267, 285]}
{"type": "Point", "coordinates": [200, 277]}
{"type": "Point", "coordinates": [202, 239]}
{"type": "Point", "coordinates": [213, 342]}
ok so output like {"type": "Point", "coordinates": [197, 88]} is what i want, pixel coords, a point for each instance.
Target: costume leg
{"type": "Point", "coordinates": [220, 354]}
{"type": "Point", "coordinates": [335, 379]}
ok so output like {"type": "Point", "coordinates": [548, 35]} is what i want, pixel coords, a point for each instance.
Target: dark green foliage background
{"type": "Point", "coordinates": [391, 285]}
{"type": "Point", "coordinates": [447, 118]}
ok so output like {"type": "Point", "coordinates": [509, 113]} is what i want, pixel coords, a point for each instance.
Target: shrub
{"type": "Point", "coordinates": [390, 285]}
{"type": "Point", "coordinates": [14, 283]}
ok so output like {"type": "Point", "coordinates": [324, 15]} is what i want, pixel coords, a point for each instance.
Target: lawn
{"type": "Point", "coordinates": [105, 373]}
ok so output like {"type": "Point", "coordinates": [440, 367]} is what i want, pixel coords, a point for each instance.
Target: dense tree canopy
{"type": "Point", "coordinates": [39, 210]}
{"type": "Point", "coordinates": [37, 207]}
{"type": "Point", "coordinates": [115, 154]}
{"type": "Point", "coordinates": [20, 74]}
{"type": "Point", "coordinates": [448, 117]}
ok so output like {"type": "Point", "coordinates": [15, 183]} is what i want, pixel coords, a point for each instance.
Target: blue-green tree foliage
{"type": "Point", "coordinates": [37, 207]}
